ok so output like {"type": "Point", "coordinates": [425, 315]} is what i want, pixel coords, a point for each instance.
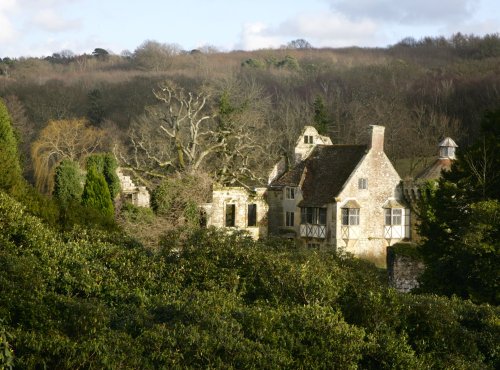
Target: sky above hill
{"type": "Point", "coordinates": [43, 27]}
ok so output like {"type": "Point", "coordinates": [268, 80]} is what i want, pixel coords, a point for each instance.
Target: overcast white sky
{"type": "Point", "coordinates": [42, 27]}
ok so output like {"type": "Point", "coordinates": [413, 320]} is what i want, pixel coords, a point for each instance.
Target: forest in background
{"type": "Point", "coordinates": [420, 90]}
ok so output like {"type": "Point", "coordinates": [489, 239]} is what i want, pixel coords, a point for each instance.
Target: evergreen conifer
{"type": "Point", "coordinates": [11, 173]}
{"type": "Point", "coordinates": [68, 183]}
{"type": "Point", "coordinates": [96, 193]}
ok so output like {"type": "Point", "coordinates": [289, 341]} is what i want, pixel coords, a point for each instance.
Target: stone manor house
{"type": "Point", "coordinates": [348, 197]}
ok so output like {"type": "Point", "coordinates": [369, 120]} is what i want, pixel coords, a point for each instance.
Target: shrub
{"type": "Point", "coordinates": [68, 182]}
{"type": "Point", "coordinates": [96, 193]}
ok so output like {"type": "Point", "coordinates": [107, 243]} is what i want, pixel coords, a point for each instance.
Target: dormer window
{"type": "Point", "coordinates": [308, 139]}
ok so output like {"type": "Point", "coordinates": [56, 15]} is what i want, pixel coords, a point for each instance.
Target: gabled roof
{"type": "Point", "coordinates": [433, 172]}
{"type": "Point", "coordinates": [448, 141]}
{"type": "Point", "coordinates": [324, 172]}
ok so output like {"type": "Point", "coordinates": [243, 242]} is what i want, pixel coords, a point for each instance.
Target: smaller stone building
{"type": "Point", "coordinates": [137, 195]}
{"type": "Point", "coordinates": [237, 208]}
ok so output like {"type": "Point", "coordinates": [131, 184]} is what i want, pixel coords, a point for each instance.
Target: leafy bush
{"type": "Point", "coordinates": [95, 299]}
{"type": "Point", "coordinates": [177, 198]}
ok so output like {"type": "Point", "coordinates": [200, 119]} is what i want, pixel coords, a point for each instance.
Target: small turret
{"type": "Point", "coordinates": [447, 148]}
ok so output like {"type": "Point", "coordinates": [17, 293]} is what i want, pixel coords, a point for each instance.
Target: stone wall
{"type": "Point", "coordinates": [404, 266]}
{"type": "Point", "coordinates": [240, 198]}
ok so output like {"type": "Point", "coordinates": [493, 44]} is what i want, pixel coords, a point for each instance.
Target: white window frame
{"type": "Point", "coordinates": [363, 183]}
{"type": "Point", "coordinates": [289, 193]}
{"type": "Point", "coordinates": [313, 216]}
{"type": "Point", "coordinates": [394, 216]}
{"type": "Point", "coordinates": [308, 139]}
{"type": "Point", "coordinates": [290, 219]}
{"type": "Point", "coordinates": [350, 216]}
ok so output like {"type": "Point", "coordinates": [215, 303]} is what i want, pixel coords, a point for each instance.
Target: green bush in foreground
{"type": "Point", "coordinates": [94, 299]}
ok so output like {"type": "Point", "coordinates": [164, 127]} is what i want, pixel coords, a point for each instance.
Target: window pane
{"type": "Point", "coordinates": [354, 216]}
{"type": "Point", "coordinates": [388, 218]}
{"type": "Point", "coordinates": [345, 216]}
{"type": "Point", "coordinates": [230, 213]}
{"type": "Point", "coordinates": [306, 215]}
{"type": "Point", "coordinates": [252, 215]}
{"type": "Point", "coordinates": [322, 216]}
{"type": "Point", "coordinates": [396, 216]}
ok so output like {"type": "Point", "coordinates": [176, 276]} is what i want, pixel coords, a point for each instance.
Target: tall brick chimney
{"type": "Point", "coordinates": [376, 138]}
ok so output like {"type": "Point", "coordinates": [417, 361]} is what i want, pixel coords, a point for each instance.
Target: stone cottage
{"type": "Point", "coordinates": [345, 196]}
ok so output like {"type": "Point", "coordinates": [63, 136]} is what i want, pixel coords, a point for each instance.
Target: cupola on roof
{"type": "Point", "coordinates": [447, 148]}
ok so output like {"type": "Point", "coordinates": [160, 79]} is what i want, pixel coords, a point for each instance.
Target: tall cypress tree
{"type": "Point", "coordinates": [68, 182]}
{"type": "Point", "coordinates": [96, 193]}
{"type": "Point", "coordinates": [321, 120]}
{"type": "Point", "coordinates": [106, 164]}
{"type": "Point", "coordinates": [11, 173]}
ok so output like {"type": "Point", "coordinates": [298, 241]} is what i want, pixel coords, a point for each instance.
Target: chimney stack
{"type": "Point", "coordinates": [376, 138]}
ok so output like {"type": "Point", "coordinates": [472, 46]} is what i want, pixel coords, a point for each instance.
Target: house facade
{"type": "Point", "coordinates": [348, 197]}
{"type": "Point", "coordinates": [345, 196]}
{"type": "Point", "coordinates": [238, 208]}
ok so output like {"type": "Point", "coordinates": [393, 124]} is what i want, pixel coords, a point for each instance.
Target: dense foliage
{"type": "Point", "coordinates": [90, 299]}
{"type": "Point", "coordinates": [461, 222]}
{"type": "Point", "coordinates": [96, 193]}
{"type": "Point", "coordinates": [11, 174]}
{"type": "Point", "coordinates": [68, 182]}
{"type": "Point", "coordinates": [106, 164]}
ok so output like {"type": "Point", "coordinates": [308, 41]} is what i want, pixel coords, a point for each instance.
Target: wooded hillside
{"type": "Point", "coordinates": [419, 90]}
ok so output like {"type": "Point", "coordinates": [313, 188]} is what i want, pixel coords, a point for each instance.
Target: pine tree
{"type": "Point", "coordinates": [11, 173]}
{"type": "Point", "coordinates": [96, 193]}
{"type": "Point", "coordinates": [321, 120]}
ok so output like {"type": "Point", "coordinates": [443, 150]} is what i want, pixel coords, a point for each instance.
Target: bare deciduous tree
{"type": "Point", "coordinates": [194, 132]}
{"type": "Point", "coordinates": [62, 139]}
